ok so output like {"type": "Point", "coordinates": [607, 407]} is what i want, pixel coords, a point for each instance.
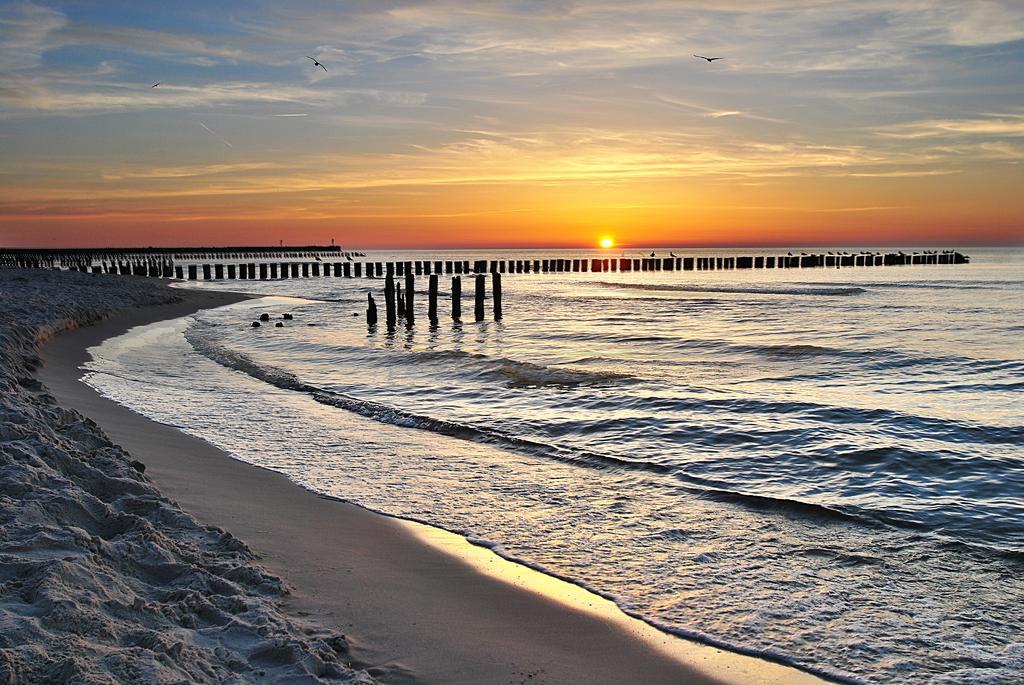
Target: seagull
{"type": "Point", "coordinates": [316, 64]}
{"type": "Point", "coordinates": [709, 59]}
{"type": "Point", "coordinates": [155, 84]}
{"type": "Point", "coordinates": [672, 254]}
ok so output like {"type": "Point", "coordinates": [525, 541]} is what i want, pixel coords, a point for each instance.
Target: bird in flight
{"type": "Point", "coordinates": [155, 84]}
{"type": "Point", "coordinates": [709, 59]}
{"type": "Point", "coordinates": [316, 64]}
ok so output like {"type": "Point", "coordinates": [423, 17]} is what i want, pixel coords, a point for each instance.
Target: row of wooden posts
{"type": "Point", "coordinates": [139, 261]}
{"type": "Point", "coordinates": [399, 304]}
{"type": "Point", "coordinates": [353, 269]}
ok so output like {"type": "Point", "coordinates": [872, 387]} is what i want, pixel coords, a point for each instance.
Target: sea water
{"type": "Point", "coordinates": [822, 466]}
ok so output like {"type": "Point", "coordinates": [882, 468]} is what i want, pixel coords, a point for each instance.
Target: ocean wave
{"type": "Point", "coordinates": [933, 285]}
{"type": "Point", "coordinates": [398, 417]}
{"type": "Point", "coordinates": [518, 374]}
{"type": "Point", "coordinates": [797, 350]}
{"type": "Point", "coordinates": [900, 463]}
{"type": "Point", "coordinates": [771, 290]}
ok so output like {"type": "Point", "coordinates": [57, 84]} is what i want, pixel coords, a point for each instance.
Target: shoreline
{"type": "Point", "coordinates": [418, 606]}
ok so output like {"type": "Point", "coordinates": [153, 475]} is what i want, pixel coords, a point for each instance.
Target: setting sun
{"type": "Point", "coordinates": [607, 242]}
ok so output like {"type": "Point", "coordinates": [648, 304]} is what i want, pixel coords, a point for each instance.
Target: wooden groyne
{"type": "Point", "coordinates": [269, 263]}
{"type": "Point", "coordinates": [399, 308]}
{"type": "Point", "coordinates": [160, 261]}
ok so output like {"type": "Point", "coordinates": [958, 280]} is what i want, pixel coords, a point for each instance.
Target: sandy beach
{"type": "Point", "coordinates": [414, 605]}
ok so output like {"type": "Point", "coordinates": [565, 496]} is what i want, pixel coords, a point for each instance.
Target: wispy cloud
{"type": "Point", "coordinates": [989, 125]}
{"type": "Point", "coordinates": [215, 134]}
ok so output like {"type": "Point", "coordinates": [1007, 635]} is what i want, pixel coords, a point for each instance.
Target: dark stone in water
{"type": "Point", "coordinates": [278, 325]}
{"type": "Point", "coordinates": [255, 324]}
{"type": "Point", "coordinates": [264, 317]}
{"type": "Point", "coordinates": [287, 317]}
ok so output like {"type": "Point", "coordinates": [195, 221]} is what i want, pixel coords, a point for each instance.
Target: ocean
{"type": "Point", "coordinates": [824, 467]}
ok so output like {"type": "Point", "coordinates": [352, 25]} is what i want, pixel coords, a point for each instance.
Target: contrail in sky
{"type": "Point", "coordinates": [215, 134]}
{"type": "Point", "coordinates": [289, 115]}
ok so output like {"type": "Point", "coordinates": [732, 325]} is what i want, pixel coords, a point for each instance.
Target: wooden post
{"type": "Point", "coordinates": [231, 272]}
{"type": "Point", "coordinates": [456, 298]}
{"type": "Point", "coordinates": [191, 272]}
{"type": "Point", "coordinates": [389, 301]}
{"type": "Point", "coordinates": [478, 308]}
{"type": "Point", "coordinates": [371, 310]}
{"type": "Point", "coordinates": [432, 299]}
{"type": "Point", "coordinates": [206, 272]}
{"type": "Point", "coordinates": [410, 294]}
{"type": "Point", "coordinates": [496, 295]}
{"type": "Point", "coordinates": [400, 300]}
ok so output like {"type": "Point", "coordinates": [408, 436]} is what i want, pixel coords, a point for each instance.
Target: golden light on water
{"type": "Point", "coordinates": [607, 242]}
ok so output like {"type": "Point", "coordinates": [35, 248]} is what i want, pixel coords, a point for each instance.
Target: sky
{"type": "Point", "coordinates": [471, 123]}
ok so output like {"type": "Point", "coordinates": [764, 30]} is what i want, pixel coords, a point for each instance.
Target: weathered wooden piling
{"type": "Point", "coordinates": [456, 298]}
{"type": "Point", "coordinates": [432, 298]}
{"type": "Point", "coordinates": [496, 295]}
{"type": "Point", "coordinates": [478, 307]}
{"type": "Point", "coordinates": [410, 296]}
{"type": "Point", "coordinates": [371, 310]}
{"type": "Point", "coordinates": [389, 301]}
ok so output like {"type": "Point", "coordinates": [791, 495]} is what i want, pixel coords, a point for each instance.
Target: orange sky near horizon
{"type": "Point", "coordinates": [454, 124]}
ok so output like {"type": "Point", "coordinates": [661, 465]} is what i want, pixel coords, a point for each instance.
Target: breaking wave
{"type": "Point", "coordinates": [768, 290]}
